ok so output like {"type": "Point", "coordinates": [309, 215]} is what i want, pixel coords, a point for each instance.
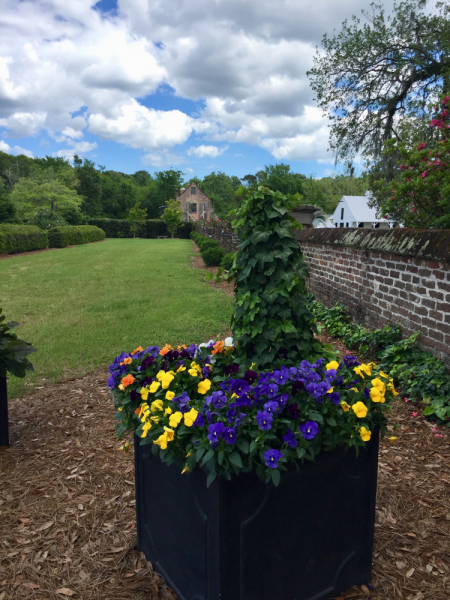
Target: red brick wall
{"type": "Point", "coordinates": [381, 288]}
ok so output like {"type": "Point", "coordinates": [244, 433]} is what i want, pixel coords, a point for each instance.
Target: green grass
{"type": "Point", "coordinates": [82, 306]}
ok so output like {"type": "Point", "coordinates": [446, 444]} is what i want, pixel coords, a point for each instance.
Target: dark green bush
{"type": "Point", "coordinates": [21, 238]}
{"type": "Point", "coordinates": [59, 237]}
{"type": "Point", "coordinates": [150, 229]}
{"type": "Point", "coordinates": [227, 260]}
{"type": "Point", "coordinates": [46, 219]}
{"type": "Point", "coordinates": [212, 256]}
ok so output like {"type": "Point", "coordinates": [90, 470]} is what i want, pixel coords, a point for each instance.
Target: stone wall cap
{"type": "Point", "coordinates": [427, 244]}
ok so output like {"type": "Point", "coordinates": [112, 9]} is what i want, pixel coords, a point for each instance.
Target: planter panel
{"type": "Point", "coordinates": [309, 539]}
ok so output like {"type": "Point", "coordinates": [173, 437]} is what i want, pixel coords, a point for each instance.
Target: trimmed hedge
{"type": "Point", "coordinates": [228, 260]}
{"type": "Point", "coordinates": [150, 229]}
{"type": "Point", "coordinates": [59, 237]}
{"type": "Point", "coordinates": [21, 238]}
{"type": "Point", "coordinates": [210, 250]}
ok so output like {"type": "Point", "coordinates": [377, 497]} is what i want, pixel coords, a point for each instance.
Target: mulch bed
{"type": "Point", "coordinates": [67, 508]}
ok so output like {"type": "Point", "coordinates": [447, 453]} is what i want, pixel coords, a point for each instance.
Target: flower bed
{"type": "Point", "coordinates": [198, 407]}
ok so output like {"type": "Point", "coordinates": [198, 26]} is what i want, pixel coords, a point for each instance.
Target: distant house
{"type": "Point", "coordinates": [354, 211]}
{"type": "Point", "coordinates": [195, 204]}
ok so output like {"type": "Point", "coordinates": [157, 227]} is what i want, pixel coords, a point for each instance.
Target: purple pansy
{"type": "Point", "coordinates": [233, 368]}
{"type": "Point", "coordinates": [271, 406]}
{"type": "Point", "coordinates": [293, 410]}
{"type": "Point", "coordinates": [229, 435]}
{"type": "Point", "coordinates": [272, 390]}
{"type": "Point", "coordinates": [214, 432]}
{"type": "Point", "coordinates": [289, 438]}
{"type": "Point", "coordinates": [281, 376]}
{"type": "Point", "coordinates": [240, 387]}
{"type": "Point", "coordinates": [334, 398]}
{"type": "Point", "coordinates": [181, 401]}
{"type": "Point", "coordinates": [271, 458]}
{"type": "Point", "coordinates": [264, 420]}
{"type": "Point", "coordinates": [250, 376]}
{"type": "Point", "coordinates": [309, 430]}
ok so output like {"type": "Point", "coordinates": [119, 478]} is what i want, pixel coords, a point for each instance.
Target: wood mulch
{"type": "Point", "coordinates": [67, 508]}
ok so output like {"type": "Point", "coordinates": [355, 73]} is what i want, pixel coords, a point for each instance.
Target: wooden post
{"type": "Point", "coordinates": [4, 435]}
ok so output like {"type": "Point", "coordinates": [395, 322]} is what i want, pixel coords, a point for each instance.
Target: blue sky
{"type": "Point", "coordinates": [193, 85]}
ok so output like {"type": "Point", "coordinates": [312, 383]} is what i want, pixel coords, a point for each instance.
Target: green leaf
{"type": "Point", "coordinates": [210, 478]}
{"type": "Point", "coordinates": [331, 421]}
{"type": "Point", "coordinates": [243, 446]}
{"type": "Point", "coordinates": [429, 410]}
{"type": "Point", "coordinates": [316, 417]}
{"type": "Point", "coordinates": [207, 456]}
{"type": "Point", "coordinates": [276, 476]}
{"type": "Point", "coordinates": [235, 459]}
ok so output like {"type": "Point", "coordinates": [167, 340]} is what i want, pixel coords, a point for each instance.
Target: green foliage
{"type": "Point", "coordinates": [7, 210]}
{"type": "Point", "coordinates": [221, 189]}
{"type": "Point", "coordinates": [59, 237]}
{"type": "Point", "coordinates": [72, 215]}
{"type": "Point", "coordinates": [12, 168]}
{"type": "Point", "coordinates": [327, 191]}
{"type": "Point", "coordinates": [213, 256]}
{"type": "Point", "coordinates": [13, 351]}
{"type": "Point", "coordinates": [228, 260]}
{"type": "Point", "coordinates": [419, 375]}
{"type": "Point", "coordinates": [150, 229]}
{"type": "Point", "coordinates": [90, 187]}
{"type": "Point", "coordinates": [280, 178]}
{"type": "Point", "coordinates": [419, 195]}
{"type": "Point", "coordinates": [368, 74]}
{"type": "Point", "coordinates": [136, 218]}
{"type": "Point", "coordinates": [272, 320]}
{"type": "Point", "coordinates": [42, 190]}
{"type": "Point", "coordinates": [21, 238]}
{"type": "Point", "coordinates": [172, 216]}
{"type": "Point", "coordinates": [46, 218]}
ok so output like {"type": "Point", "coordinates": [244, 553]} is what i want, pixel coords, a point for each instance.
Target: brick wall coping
{"type": "Point", "coordinates": [417, 243]}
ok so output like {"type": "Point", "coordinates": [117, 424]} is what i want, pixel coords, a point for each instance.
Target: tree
{"type": "Point", "coordinates": [168, 182]}
{"type": "Point", "coordinates": [136, 216]}
{"type": "Point", "coordinates": [90, 187]}
{"type": "Point", "coordinates": [12, 168]}
{"type": "Point", "coordinates": [369, 75]}
{"type": "Point", "coordinates": [327, 191]}
{"type": "Point", "coordinates": [419, 194]}
{"type": "Point", "coordinates": [39, 191]}
{"type": "Point", "coordinates": [221, 189]}
{"type": "Point", "coordinates": [172, 216]}
{"type": "Point", "coordinates": [281, 178]}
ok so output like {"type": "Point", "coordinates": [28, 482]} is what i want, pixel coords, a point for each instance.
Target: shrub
{"type": "Point", "coordinates": [21, 238]}
{"type": "Point", "coordinates": [59, 237]}
{"type": "Point", "coordinates": [227, 260]}
{"type": "Point", "coordinates": [150, 228]}
{"type": "Point", "coordinates": [212, 257]}
{"type": "Point", "coordinates": [46, 218]}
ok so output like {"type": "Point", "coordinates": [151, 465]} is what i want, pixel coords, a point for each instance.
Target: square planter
{"type": "Point", "coordinates": [308, 539]}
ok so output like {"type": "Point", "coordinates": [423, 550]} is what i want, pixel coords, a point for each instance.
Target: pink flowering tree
{"type": "Point", "coordinates": [419, 194]}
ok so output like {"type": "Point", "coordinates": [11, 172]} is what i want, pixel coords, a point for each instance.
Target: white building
{"type": "Point", "coordinates": [354, 211]}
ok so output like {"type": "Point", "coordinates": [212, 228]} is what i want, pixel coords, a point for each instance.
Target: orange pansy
{"type": "Point", "coordinates": [128, 380]}
{"type": "Point", "coordinates": [218, 347]}
{"type": "Point", "coordinates": [165, 350]}
{"type": "Point", "coordinates": [139, 349]}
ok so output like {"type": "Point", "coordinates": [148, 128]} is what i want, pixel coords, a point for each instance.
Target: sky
{"type": "Point", "coordinates": [194, 85]}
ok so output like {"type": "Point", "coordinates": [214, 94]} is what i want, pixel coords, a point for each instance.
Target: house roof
{"type": "Point", "coordinates": [360, 210]}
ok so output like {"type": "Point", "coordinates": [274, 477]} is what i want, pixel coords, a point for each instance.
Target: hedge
{"type": "Point", "coordinates": [210, 250]}
{"type": "Point", "coordinates": [21, 238]}
{"type": "Point", "coordinates": [59, 237]}
{"type": "Point", "coordinates": [150, 229]}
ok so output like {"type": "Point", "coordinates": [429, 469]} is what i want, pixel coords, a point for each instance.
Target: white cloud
{"type": "Point", "coordinates": [4, 147]}
{"type": "Point", "coordinates": [203, 150]}
{"type": "Point", "coordinates": [246, 61]}
{"type": "Point", "coordinates": [188, 170]}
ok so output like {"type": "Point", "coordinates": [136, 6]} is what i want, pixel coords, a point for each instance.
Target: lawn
{"type": "Point", "coordinates": [81, 306]}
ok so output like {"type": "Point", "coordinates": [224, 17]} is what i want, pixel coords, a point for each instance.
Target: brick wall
{"type": "Point", "coordinates": [225, 237]}
{"type": "Point", "coordinates": [385, 277]}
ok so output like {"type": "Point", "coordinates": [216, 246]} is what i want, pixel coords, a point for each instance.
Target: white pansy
{"type": "Point", "coordinates": [229, 341]}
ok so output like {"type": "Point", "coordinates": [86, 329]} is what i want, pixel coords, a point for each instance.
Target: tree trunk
{"type": "Point", "coordinates": [4, 435]}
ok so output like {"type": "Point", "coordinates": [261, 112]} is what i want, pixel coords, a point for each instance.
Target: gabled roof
{"type": "Point", "coordinates": [360, 209]}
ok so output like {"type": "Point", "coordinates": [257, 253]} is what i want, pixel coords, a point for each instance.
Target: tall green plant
{"type": "Point", "coordinates": [13, 351]}
{"type": "Point", "coordinates": [272, 321]}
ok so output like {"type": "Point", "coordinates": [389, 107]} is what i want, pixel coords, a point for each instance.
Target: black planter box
{"type": "Point", "coordinates": [308, 539]}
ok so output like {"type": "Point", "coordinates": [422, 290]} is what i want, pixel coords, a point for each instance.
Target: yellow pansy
{"type": "Point", "coordinates": [121, 387]}
{"type": "Point", "coordinates": [365, 434]}
{"type": "Point", "coordinates": [192, 372]}
{"type": "Point", "coordinates": [332, 365]}
{"type": "Point", "coordinates": [354, 389]}
{"type": "Point", "coordinates": [330, 391]}
{"type": "Point", "coordinates": [125, 447]}
{"type": "Point", "coordinates": [195, 366]}
{"type": "Point", "coordinates": [190, 417]}
{"type": "Point", "coordinates": [382, 374]}
{"type": "Point", "coordinates": [360, 409]}
{"type": "Point", "coordinates": [155, 419]}
{"type": "Point", "coordinates": [377, 395]}
{"type": "Point", "coordinates": [377, 383]}
{"type": "Point", "coordinates": [170, 395]}
{"type": "Point", "coordinates": [175, 419]}
{"type": "Point", "coordinates": [165, 381]}
{"type": "Point", "coordinates": [391, 388]}
{"type": "Point", "coordinates": [168, 411]}
{"type": "Point", "coordinates": [392, 439]}
{"type": "Point", "coordinates": [345, 407]}
{"type": "Point", "coordinates": [234, 396]}
{"type": "Point", "coordinates": [157, 405]}
{"type": "Point", "coordinates": [363, 369]}
{"type": "Point", "coordinates": [154, 386]}
{"type": "Point", "coordinates": [169, 433]}
{"type": "Point", "coordinates": [144, 393]}
{"type": "Point", "coordinates": [120, 409]}
{"type": "Point", "coordinates": [160, 375]}
{"type": "Point", "coordinates": [204, 386]}
{"type": "Point", "coordinates": [161, 441]}
{"type": "Point", "coordinates": [180, 369]}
